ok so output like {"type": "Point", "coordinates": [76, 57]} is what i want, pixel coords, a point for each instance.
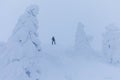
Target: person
{"type": "Point", "coordinates": [53, 41]}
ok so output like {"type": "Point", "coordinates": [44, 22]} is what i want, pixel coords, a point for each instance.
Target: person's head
{"type": "Point", "coordinates": [52, 36]}
{"type": "Point", "coordinates": [33, 10]}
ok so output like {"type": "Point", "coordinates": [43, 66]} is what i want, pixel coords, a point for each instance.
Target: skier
{"type": "Point", "coordinates": [53, 40]}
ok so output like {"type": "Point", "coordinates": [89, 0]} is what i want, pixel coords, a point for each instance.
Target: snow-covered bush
{"type": "Point", "coordinates": [111, 44]}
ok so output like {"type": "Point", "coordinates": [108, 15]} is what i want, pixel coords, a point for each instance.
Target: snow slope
{"type": "Point", "coordinates": [59, 63]}
{"type": "Point", "coordinates": [56, 63]}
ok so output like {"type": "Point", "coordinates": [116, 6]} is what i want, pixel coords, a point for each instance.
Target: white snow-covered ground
{"type": "Point", "coordinates": [60, 63]}
{"type": "Point", "coordinates": [72, 66]}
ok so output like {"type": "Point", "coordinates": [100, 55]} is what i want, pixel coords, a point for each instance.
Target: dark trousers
{"type": "Point", "coordinates": [53, 42]}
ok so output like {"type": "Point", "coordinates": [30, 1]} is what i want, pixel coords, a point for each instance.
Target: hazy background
{"type": "Point", "coordinates": [60, 18]}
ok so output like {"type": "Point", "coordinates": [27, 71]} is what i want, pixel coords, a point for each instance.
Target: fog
{"type": "Point", "coordinates": [59, 18]}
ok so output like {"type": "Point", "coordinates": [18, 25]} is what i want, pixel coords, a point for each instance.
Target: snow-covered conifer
{"type": "Point", "coordinates": [26, 28]}
{"type": "Point", "coordinates": [82, 41]}
{"type": "Point", "coordinates": [23, 49]}
{"type": "Point", "coordinates": [111, 44]}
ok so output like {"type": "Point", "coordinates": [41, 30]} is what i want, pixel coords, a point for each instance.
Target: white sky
{"type": "Point", "coordinates": [60, 18]}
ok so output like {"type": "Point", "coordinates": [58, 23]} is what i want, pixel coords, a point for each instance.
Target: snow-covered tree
{"type": "Point", "coordinates": [23, 48]}
{"type": "Point", "coordinates": [111, 44]}
{"type": "Point", "coordinates": [82, 41]}
{"type": "Point", "coordinates": [2, 46]}
{"type": "Point", "coordinates": [26, 28]}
